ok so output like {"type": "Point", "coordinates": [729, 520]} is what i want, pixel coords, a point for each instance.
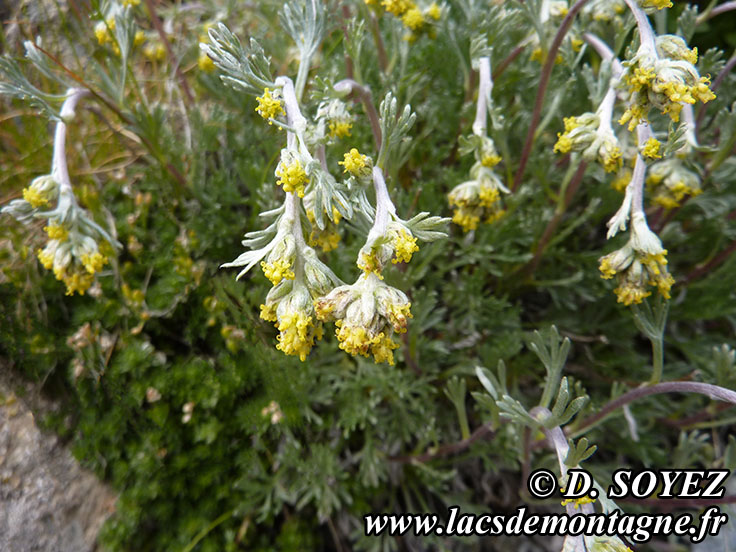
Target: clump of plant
{"type": "Point", "coordinates": [536, 150]}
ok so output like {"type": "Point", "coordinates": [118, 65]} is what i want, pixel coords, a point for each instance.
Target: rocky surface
{"type": "Point", "coordinates": [48, 503]}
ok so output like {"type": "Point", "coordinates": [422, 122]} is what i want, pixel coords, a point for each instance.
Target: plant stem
{"type": "Point", "coordinates": [718, 10]}
{"type": "Point", "coordinates": [657, 359]}
{"type": "Point", "coordinates": [59, 167]}
{"type": "Point", "coordinates": [543, 83]}
{"type": "Point", "coordinates": [188, 96]}
{"type": "Point", "coordinates": [485, 87]}
{"type": "Point", "coordinates": [301, 76]}
{"type": "Point", "coordinates": [715, 392]}
{"type": "Point", "coordinates": [562, 206]}
{"type": "Point", "coordinates": [364, 93]}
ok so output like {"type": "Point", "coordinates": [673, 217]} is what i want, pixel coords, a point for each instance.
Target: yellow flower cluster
{"type": "Point", "coordinates": [357, 341]}
{"type": "Point", "coordinates": [636, 270]}
{"type": "Point", "coordinates": [289, 306]}
{"type": "Point", "coordinates": [657, 4]}
{"type": "Point", "coordinates": [328, 238]}
{"type": "Point", "coordinates": [277, 270]}
{"type": "Point", "coordinates": [369, 262]}
{"type": "Point", "coordinates": [669, 182]}
{"type": "Point", "coordinates": [292, 176]}
{"type": "Point", "coordinates": [411, 15]}
{"type": "Point", "coordinates": [270, 105]}
{"type": "Point", "coordinates": [404, 246]}
{"type": "Point", "coordinates": [41, 192]}
{"type": "Point", "coordinates": [366, 315]}
{"type": "Point", "coordinates": [297, 334]}
{"type": "Point", "coordinates": [103, 31]}
{"type": "Point", "coordinates": [398, 245]}
{"type": "Point", "coordinates": [596, 142]}
{"type": "Point", "coordinates": [73, 262]}
{"type": "Point", "coordinates": [340, 129]}
{"type": "Point", "coordinates": [477, 200]}
{"type": "Point", "coordinates": [665, 80]}
{"type": "Point", "coordinates": [355, 163]}
{"type": "Point", "coordinates": [651, 149]}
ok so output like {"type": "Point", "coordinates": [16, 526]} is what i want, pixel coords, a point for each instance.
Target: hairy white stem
{"type": "Point", "coordinates": [634, 199]}
{"type": "Point", "coordinates": [605, 109]}
{"type": "Point", "coordinates": [644, 133]}
{"type": "Point", "coordinates": [59, 169]}
{"type": "Point", "coordinates": [294, 115]}
{"type": "Point", "coordinates": [297, 121]}
{"type": "Point", "coordinates": [605, 52]}
{"type": "Point", "coordinates": [646, 33]}
{"type": "Point", "coordinates": [688, 116]}
{"type": "Point", "coordinates": [384, 206]}
{"type": "Point", "coordinates": [485, 87]}
{"type": "Point", "coordinates": [557, 440]}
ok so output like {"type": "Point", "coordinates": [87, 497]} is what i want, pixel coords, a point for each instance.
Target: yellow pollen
{"type": "Point", "coordinates": [56, 232]}
{"type": "Point", "coordinates": [490, 160]}
{"type": "Point", "coordinates": [292, 177]}
{"type": "Point", "coordinates": [205, 63]}
{"type": "Point", "coordinates": [34, 197]}
{"type": "Point", "coordinates": [354, 162]}
{"type": "Point", "coordinates": [404, 246]}
{"type": "Point", "coordinates": [413, 19]}
{"type": "Point", "coordinates": [340, 129]}
{"type": "Point", "coordinates": [94, 262]}
{"type": "Point", "coordinates": [651, 149]}
{"type": "Point", "coordinates": [268, 106]}
{"type": "Point", "coordinates": [277, 270]}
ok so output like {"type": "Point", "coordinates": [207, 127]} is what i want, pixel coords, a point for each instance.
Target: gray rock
{"type": "Point", "coordinates": [48, 503]}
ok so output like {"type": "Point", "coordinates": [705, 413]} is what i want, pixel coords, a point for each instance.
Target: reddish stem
{"type": "Point", "coordinates": [446, 450]}
{"type": "Point", "coordinates": [162, 34]}
{"type": "Point", "coordinates": [507, 61]}
{"type": "Point", "coordinates": [712, 391]}
{"type": "Point", "coordinates": [716, 83]}
{"type": "Point", "coordinates": [543, 82]}
{"type": "Point", "coordinates": [555, 220]}
{"type": "Point", "coordinates": [710, 265]}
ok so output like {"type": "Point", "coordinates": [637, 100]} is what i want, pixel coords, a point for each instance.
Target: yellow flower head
{"type": "Point", "coordinates": [270, 105]}
{"type": "Point", "coordinates": [277, 270]}
{"type": "Point", "coordinates": [651, 149]}
{"type": "Point", "coordinates": [292, 176]}
{"type": "Point", "coordinates": [397, 7]}
{"type": "Point", "coordinates": [355, 163]}
{"type": "Point", "coordinates": [340, 129]}
{"type": "Point", "coordinates": [657, 4]}
{"type": "Point", "coordinates": [413, 19]}
{"type": "Point", "coordinates": [205, 63]}
{"type": "Point", "coordinates": [366, 314]}
{"type": "Point", "coordinates": [477, 199]}
{"type": "Point", "coordinates": [289, 306]}
{"type": "Point", "coordinates": [41, 192]}
{"type": "Point", "coordinates": [640, 263]}
{"type": "Point", "coordinates": [297, 334]}
{"type": "Point", "coordinates": [434, 11]}
{"type": "Point", "coordinates": [669, 182]}
{"type": "Point", "coordinates": [404, 246]}
{"type": "Point", "coordinates": [56, 232]}
{"type": "Point", "coordinates": [93, 262]}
